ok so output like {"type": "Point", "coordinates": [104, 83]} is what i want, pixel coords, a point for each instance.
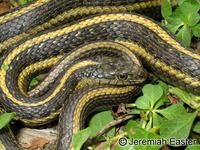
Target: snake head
{"type": "Point", "coordinates": [119, 71]}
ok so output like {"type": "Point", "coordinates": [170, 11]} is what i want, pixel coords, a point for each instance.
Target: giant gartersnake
{"type": "Point", "coordinates": [158, 50]}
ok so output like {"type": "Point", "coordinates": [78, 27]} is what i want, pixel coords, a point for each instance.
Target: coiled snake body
{"type": "Point", "coordinates": [114, 33]}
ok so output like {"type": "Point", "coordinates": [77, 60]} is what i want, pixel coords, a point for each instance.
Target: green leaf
{"type": "Point", "coordinates": [6, 118]}
{"type": "Point", "coordinates": [157, 120]}
{"type": "Point", "coordinates": [174, 28]}
{"type": "Point", "coordinates": [184, 18]}
{"type": "Point", "coordinates": [180, 2]}
{"type": "Point", "coordinates": [164, 97]}
{"type": "Point", "coordinates": [33, 82]}
{"type": "Point", "coordinates": [196, 30]}
{"type": "Point", "coordinates": [194, 19]}
{"type": "Point", "coordinates": [142, 103]}
{"type": "Point", "coordinates": [99, 120]}
{"type": "Point", "coordinates": [188, 8]}
{"type": "Point", "coordinates": [193, 147]}
{"type": "Point", "coordinates": [172, 112]}
{"type": "Point", "coordinates": [166, 9]}
{"type": "Point", "coordinates": [22, 2]}
{"type": "Point", "coordinates": [164, 86]}
{"type": "Point", "coordinates": [5, 67]}
{"type": "Point", "coordinates": [152, 92]}
{"type": "Point", "coordinates": [80, 138]}
{"type": "Point", "coordinates": [196, 127]}
{"type": "Point", "coordinates": [135, 133]}
{"type": "Point", "coordinates": [178, 128]}
{"type": "Point", "coordinates": [190, 13]}
{"type": "Point", "coordinates": [184, 96]}
{"type": "Point", "coordinates": [184, 35]}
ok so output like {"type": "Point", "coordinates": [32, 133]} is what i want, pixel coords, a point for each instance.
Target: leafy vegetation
{"type": "Point", "coordinates": [17, 3]}
{"type": "Point", "coordinates": [6, 118]}
{"type": "Point", "coordinates": [23, 2]}
{"type": "Point", "coordinates": [183, 22]}
{"type": "Point", "coordinates": [155, 117]}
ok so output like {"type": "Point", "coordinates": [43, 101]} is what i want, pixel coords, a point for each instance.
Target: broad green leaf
{"type": "Point", "coordinates": [80, 138]}
{"type": "Point", "coordinates": [157, 119]}
{"type": "Point", "coordinates": [173, 28]}
{"type": "Point", "coordinates": [6, 118]}
{"type": "Point", "coordinates": [196, 30]}
{"type": "Point", "coordinates": [178, 128]}
{"type": "Point", "coordinates": [196, 127]}
{"type": "Point", "coordinates": [184, 96]}
{"type": "Point", "coordinates": [160, 102]}
{"type": "Point", "coordinates": [184, 35]}
{"type": "Point", "coordinates": [193, 147]}
{"type": "Point", "coordinates": [172, 112]}
{"type": "Point", "coordinates": [5, 67]}
{"type": "Point", "coordinates": [180, 2]}
{"type": "Point", "coordinates": [163, 85]}
{"type": "Point", "coordinates": [99, 120]}
{"type": "Point", "coordinates": [188, 8]}
{"type": "Point", "coordinates": [166, 9]}
{"type": "Point", "coordinates": [152, 92]}
{"type": "Point", "coordinates": [142, 103]}
{"type": "Point", "coordinates": [164, 97]}
{"type": "Point", "coordinates": [194, 19]}
{"type": "Point", "coordinates": [135, 133]}
{"type": "Point", "coordinates": [174, 18]}
{"type": "Point", "coordinates": [184, 18]}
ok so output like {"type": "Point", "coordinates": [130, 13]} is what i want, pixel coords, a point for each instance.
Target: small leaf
{"type": "Point", "coordinates": [184, 18]}
{"type": "Point", "coordinates": [163, 85]}
{"type": "Point", "coordinates": [188, 8]}
{"type": "Point", "coordinates": [157, 119]}
{"type": "Point", "coordinates": [142, 103]}
{"type": "Point", "coordinates": [80, 138]}
{"type": "Point", "coordinates": [180, 2]}
{"type": "Point", "coordinates": [174, 128]}
{"type": "Point", "coordinates": [5, 67]}
{"type": "Point", "coordinates": [184, 96]}
{"type": "Point", "coordinates": [193, 147]}
{"type": "Point", "coordinates": [99, 120]}
{"type": "Point", "coordinates": [196, 127]}
{"type": "Point", "coordinates": [184, 35]}
{"type": "Point", "coordinates": [194, 19]}
{"type": "Point", "coordinates": [6, 118]}
{"type": "Point", "coordinates": [166, 9]}
{"type": "Point", "coordinates": [172, 112]}
{"type": "Point", "coordinates": [173, 28]}
{"type": "Point", "coordinates": [196, 30]}
{"type": "Point", "coordinates": [33, 82]}
{"type": "Point", "coordinates": [152, 92]}
{"type": "Point", "coordinates": [22, 2]}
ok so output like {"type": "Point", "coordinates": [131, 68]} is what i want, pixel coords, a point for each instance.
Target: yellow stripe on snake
{"type": "Point", "coordinates": [90, 60]}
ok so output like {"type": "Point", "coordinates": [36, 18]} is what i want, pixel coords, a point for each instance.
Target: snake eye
{"type": "Point", "coordinates": [122, 76]}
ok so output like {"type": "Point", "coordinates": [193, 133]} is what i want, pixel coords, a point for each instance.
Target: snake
{"type": "Point", "coordinates": [91, 37]}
